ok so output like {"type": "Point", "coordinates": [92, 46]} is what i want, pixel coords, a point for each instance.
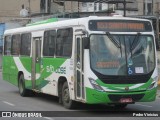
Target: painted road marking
{"type": "Point", "coordinates": [144, 105]}
{"type": "Point", "coordinates": [8, 103]}
{"type": "Point", "coordinates": [48, 118]}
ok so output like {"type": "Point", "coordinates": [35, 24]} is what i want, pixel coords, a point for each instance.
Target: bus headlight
{"type": "Point", "coordinates": [95, 85]}
{"type": "Point", "coordinates": [154, 83]}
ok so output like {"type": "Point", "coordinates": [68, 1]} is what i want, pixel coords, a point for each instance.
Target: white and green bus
{"type": "Point", "coordinates": [94, 60]}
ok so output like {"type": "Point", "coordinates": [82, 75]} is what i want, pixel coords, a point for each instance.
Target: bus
{"type": "Point", "coordinates": [92, 60]}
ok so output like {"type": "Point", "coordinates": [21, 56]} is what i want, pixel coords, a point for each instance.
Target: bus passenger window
{"type": "Point", "coordinates": [26, 44]}
{"type": "Point", "coordinates": [15, 45]}
{"type": "Point", "coordinates": [49, 43]}
{"type": "Point", "coordinates": [64, 42]}
{"type": "Point", "coordinates": [7, 45]}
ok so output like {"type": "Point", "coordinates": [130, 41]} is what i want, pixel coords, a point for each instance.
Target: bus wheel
{"type": "Point", "coordinates": [22, 90]}
{"type": "Point", "coordinates": [66, 101]}
{"type": "Point", "coordinates": [120, 106]}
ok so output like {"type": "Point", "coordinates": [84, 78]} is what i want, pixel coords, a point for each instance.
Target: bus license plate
{"type": "Point", "coordinates": [126, 100]}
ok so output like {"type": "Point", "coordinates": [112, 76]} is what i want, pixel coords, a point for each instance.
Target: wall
{"type": "Point", "coordinates": [10, 9]}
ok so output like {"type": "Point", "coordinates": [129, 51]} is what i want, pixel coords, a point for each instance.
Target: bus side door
{"type": "Point", "coordinates": [36, 62]}
{"type": "Point", "coordinates": [79, 68]}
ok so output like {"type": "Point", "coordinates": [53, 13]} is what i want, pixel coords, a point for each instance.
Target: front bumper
{"type": "Point", "coordinates": [97, 97]}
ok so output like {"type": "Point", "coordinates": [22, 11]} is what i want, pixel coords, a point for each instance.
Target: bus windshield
{"type": "Point", "coordinates": [122, 54]}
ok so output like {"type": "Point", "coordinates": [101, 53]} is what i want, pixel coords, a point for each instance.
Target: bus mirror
{"type": "Point", "coordinates": [86, 43]}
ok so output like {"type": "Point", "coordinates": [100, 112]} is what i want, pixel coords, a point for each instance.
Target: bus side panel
{"type": "Point", "coordinates": [26, 62]}
{"type": "Point", "coordinates": [6, 67]}
{"type": "Point", "coordinates": [51, 71]}
{"type": "Point", "coordinates": [16, 65]}
{"type": "Point", "coordinates": [13, 72]}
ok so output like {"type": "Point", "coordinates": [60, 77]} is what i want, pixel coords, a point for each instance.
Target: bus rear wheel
{"type": "Point", "coordinates": [66, 101]}
{"type": "Point", "coordinates": [21, 85]}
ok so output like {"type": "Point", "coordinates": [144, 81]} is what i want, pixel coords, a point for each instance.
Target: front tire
{"type": "Point", "coordinates": [22, 90]}
{"type": "Point", "coordinates": [66, 101]}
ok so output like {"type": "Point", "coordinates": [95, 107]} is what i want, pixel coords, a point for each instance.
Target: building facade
{"type": "Point", "coordinates": [148, 7]}
{"type": "Point", "coordinates": [10, 9]}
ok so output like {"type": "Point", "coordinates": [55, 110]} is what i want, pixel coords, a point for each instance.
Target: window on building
{"type": "Point", "coordinates": [15, 49]}
{"type": "Point", "coordinates": [64, 42]}
{"type": "Point", "coordinates": [84, 4]}
{"type": "Point", "coordinates": [95, 6]}
{"type": "Point", "coordinates": [25, 44]}
{"type": "Point", "coordinates": [49, 43]}
{"type": "Point", "coordinates": [7, 45]}
{"type": "Point", "coordinates": [147, 8]}
{"type": "Point", "coordinates": [43, 6]}
{"type": "Point", "coordinates": [90, 4]}
{"type": "Point", "coordinates": [100, 6]}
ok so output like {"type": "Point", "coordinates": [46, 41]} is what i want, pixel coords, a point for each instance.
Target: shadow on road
{"type": "Point", "coordinates": [80, 106]}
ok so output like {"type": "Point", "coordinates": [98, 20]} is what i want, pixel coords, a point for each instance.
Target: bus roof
{"type": "Point", "coordinates": [43, 22]}
{"type": "Point", "coordinates": [65, 23]}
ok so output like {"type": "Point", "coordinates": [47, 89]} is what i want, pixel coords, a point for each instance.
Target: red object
{"type": "Point", "coordinates": [126, 100]}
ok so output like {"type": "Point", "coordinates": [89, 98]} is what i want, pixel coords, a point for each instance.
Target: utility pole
{"type": "Point", "coordinates": [152, 7]}
{"type": "Point", "coordinates": [46, 3]}
{"type": "Point", "coordinates": [124, 8]}
{"type": "Point", "coordinates": [78, 9]}
{"type": "Point", "coordinates": [64, 8]}
{"type": "Point", "coordinates": [146, 7]}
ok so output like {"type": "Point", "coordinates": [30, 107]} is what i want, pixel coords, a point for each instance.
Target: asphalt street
{"type": "Point", "coordinates": [10, 100]}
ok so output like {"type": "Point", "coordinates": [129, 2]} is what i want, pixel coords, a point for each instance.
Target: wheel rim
{"type": "Point", "coordinates": [66, 97]}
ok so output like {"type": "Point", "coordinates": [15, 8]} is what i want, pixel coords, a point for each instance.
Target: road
{"type": "Point", "coordinates": [10, 100]}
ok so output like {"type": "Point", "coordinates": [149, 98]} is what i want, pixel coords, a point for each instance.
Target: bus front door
{"type": "Point", "coordinates": [36, 59]}
{"type": "Point", "coordinates": [79, 74]}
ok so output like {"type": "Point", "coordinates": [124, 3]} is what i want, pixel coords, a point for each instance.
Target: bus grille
{"type": "Point", "coordinates": [125, 79]}
{"type": "Point", "coordinates": [116, 98]}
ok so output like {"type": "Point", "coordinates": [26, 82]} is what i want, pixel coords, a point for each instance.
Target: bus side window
{"type": "Point", "coordinates": [7, 45]}
{"type": "Point", "coordinates": [49, 43]}
{"type": "Point", "coordinates": [64, 42]}
{"type": "Point", "coordinates": [25, 44]}
{"type": "Point", "coordinates": [15, 49]}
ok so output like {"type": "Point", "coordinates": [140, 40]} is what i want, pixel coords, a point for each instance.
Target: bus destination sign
{"type": "Point", "coordinates": [120, 26]}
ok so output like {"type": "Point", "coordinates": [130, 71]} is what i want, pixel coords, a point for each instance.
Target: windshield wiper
{"type": "Point", "coordinates": [134, 43]}
{"type": "Point", "coordinates": [116, 43]}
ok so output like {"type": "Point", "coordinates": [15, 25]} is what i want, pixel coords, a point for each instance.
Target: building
{"type": "Point", "coordinates": [43, 9]}
{"type": "Point", "coordinates": [10, 14]}
{"type": "Point", "coordinates": [94, 7]}
{"type": "Point", "coordinates": [148, 7]}
{"type": "Point", "coordinates": [10, 9]}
